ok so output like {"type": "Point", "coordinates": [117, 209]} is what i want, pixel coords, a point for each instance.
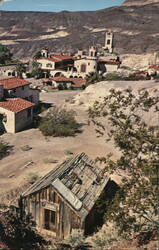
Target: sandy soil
{"type": "Point", "coordinates": [58, 34]}
{"type": "Point", "coordinates": [15, 168]}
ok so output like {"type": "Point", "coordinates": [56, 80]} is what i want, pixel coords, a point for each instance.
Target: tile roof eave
{"type": "Point", "coordinates": [30, 105]}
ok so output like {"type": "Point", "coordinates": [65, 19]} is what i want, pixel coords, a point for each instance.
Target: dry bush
{"type": "Point", "coordinates": [104, 238]}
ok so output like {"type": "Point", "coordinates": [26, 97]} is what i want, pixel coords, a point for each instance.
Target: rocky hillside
{"type": "Point", "coordinates": [139, 2]}
{"type": "Point", "coordinates": [136, 29]}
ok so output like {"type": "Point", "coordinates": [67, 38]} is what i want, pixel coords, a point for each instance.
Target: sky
{"type": "Point", "coordinates": [56, 5]}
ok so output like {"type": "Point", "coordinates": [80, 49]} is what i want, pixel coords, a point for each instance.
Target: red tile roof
{"type": "Point", "coordinates": [78, 82]}
{"type": "Point", "coordinates": [109, 62]}
{"type": "Point", "coordinates": [141, 72]}
{"type": "Point", "coordinates": [16, 104]}
{"type": "Point", "coordinates": [14, 82]}
{"type": "Point", "coordinates": [62, 57]}
{"type": "Point", "coordinates": [156, 67]}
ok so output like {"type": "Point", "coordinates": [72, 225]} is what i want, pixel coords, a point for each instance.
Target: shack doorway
{"type": "Point", "coordinates": [50, 220]}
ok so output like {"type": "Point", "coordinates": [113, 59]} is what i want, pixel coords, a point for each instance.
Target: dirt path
{"type": "Point", "coordinates": [15, 168]}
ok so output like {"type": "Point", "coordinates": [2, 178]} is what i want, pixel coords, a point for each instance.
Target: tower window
{"type": "Point", "coordinates": [108, 41]}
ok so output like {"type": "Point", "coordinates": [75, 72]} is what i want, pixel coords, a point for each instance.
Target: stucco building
{"type": "Point", "coordinates": [15, 114]}
{"type": "Point", "coordinates": [8, 70]}
{"type": "Point", "coordinates": [72, 83]}
{"type": "Point", "coordinates": [16, 87]}
{"type": "Point", "coordinates": [17, 101]}
{"type": "Point", "coordinates": [81, 64]}
{"type": "Point", "coordinates": [153, 70]}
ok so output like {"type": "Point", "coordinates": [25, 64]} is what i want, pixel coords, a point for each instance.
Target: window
{"type": "Point", "coordinates": [28, 113]}
{"type": "Point", "coordinates": [108, 41]}
{"type": "Point", "coordinates": [83, 68]}
{"type": "Point", "coordinates": [49, 65]}
{"type": "Point", "coordinates": [49, 219]}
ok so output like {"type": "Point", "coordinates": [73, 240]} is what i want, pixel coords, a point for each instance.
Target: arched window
{"type": "Point", "coordinates": [83, 68]}
{"type": "Point", "coordinates": [58, 74]}
{"type": "Point", "coordinates": [49, 65]}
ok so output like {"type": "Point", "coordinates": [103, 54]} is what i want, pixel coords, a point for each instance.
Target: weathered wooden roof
{"type": "Point", "coordinates": [79, 181]}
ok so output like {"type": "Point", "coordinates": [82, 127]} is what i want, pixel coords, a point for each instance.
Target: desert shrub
{"type": "Point", "coordinates": [113, 77]}
{"type": "Point", "coordinates": [67, 152]}
{"type": "Point", "coordinates": [32, 178]}
{"type": "Point", "coordinates": [50, 160]}
{"type": "Point", "coordinates": [60, 87]}
{"type": "Point", "coordinates": [59, 122]}
{"type": "Point", "coordinates": [4, 149]}
{"type": "Point", "coordinates": [104, 238]}
{"type": "Point", "coordinates": [26, 148]}
{"type": "Point", "coordinates": [76, 239]}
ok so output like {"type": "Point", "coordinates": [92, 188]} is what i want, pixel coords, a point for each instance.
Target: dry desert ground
{"type": "Point", "coordinates": [46, 153]}
{"type": "Point", "coordinates": [15, 168]}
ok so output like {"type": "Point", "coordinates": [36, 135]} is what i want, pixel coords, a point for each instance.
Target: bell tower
{"type": "Point", "coordinates": [45, 52]}
{"type": "Point", "coordinates": [109, 41]}
{"type": "Point", "coordinates": [92, 51]}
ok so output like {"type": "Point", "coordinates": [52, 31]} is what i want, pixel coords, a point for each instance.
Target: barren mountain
{"type": "Point", "coordinates": [139, 2]}
{"type": "Point", "coordinates": [135, 27]}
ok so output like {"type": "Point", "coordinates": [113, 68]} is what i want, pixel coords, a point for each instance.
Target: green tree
{"type": "Point", "coordinates": [20, 69]}
{"type": "Point", "coordinates": [94, 77]}
{"type": "Point", "coordinates": [37, 55]}
{"type": "Point", "coordinates": [135, 205]}
{"type": "Point", "coordinates": [59, 122]}
{"type": "Point", "coordinates": [5, 54]}
{"type": "Point", "coordinates": [114, 77]}
{"type": "Point", "coordinates": [17, 233]}
{"type": "Point", "coordinates": [4, 149]}
{"type": "Point", "coordinates": [36, 70]}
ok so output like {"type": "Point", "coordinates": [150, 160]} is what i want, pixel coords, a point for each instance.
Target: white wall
{"type": "Point", "coordinates": [111, 67]}
{"type": "Point", "coordinates": [44, 62]}
{"type": "Point", "coordinates": [9, 125]}
{"type": "Point", "coordinates": [16, 121]}
{"type": "Point", "coordinates": [91, 65]}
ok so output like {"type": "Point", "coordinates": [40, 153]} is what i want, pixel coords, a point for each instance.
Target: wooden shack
{"type": "Point", "coordinates": [64, 199]}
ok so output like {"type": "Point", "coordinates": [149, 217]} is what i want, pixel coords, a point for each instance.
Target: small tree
{"type": "Point", "coordinates": [59, 122]}
{"type": "Point", "coordinates": [20, 69]}
{"type": "Point", "coordinates": [17, 233]}
{"type": "Point", "coordinates": [36, 71]}
{"type": "Point", "coordinates": [4, 149]}
{"type": "Point", "coordinates": [5, 54]}
{"type": "Point", "coordinates": [37, 55]}
{"type": "Point", "coordinates": [135, 205]}
{"type": "Point", "coordinates": [94, 77]}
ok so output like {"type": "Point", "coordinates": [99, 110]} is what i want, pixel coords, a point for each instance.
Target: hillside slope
{"type": "Point", "coordinates": [139, 2]}
{"type": "Point", "coordinates": [136, 29]}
